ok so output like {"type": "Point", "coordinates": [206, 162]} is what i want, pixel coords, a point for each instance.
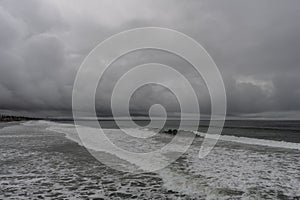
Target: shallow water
{"type": "Point", "coordinates": [38, 160]}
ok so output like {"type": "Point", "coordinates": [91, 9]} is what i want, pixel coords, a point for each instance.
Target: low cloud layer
{"type": "Point", "coordinates": [255, 44]}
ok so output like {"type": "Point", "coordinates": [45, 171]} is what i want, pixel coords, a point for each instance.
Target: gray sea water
{"type": "Point", "coordinates": [252, 160]}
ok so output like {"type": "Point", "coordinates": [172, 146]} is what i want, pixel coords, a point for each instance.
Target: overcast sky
{"type": "Point", "coordinates": [255, 44]}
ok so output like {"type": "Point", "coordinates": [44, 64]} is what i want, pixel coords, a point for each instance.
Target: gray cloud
{"type": "Point", "coordinates": [255, 44]}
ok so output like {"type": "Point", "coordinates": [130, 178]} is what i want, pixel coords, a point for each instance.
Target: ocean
{"type": "Point", "coordinates": [252, 160]}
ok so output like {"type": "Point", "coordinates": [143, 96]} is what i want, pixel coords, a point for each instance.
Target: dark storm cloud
{"type": "Point", "coordinates": [255, 44]}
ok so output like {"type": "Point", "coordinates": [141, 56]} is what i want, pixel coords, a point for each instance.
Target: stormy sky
{"type": "Point", "coordinates": [255, 44]}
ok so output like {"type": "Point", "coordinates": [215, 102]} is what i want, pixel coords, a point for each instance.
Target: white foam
{"type": "Point", "coordinates": [132, 145]}
{"type": "Point", "coordinates": [229, 171]}
{"type": "Point", "coordinates": [69, 130]}
{"type": "Point", "coordinates": [254, 141]}
{"type": "Point", "coordinates": [224, 169]}
{"type": "Point", "coordinates": [91, 141]}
